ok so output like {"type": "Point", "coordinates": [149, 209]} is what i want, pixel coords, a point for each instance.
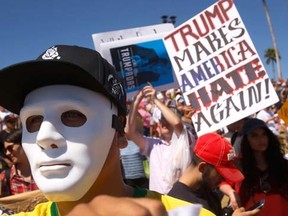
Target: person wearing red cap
{"type": "Point", "coordinates": [212, 162]}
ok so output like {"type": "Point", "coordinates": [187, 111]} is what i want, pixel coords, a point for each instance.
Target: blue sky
{"type": "Point", "coordinates": [29, 27]}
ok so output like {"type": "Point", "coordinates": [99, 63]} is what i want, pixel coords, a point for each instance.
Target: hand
{"type": "Point", "coordinates": [108, 205]}
{"type": "Point", "coordinates": [234, 199]}
{"type": "Point", "coordinates": [241, 212]}
{"type": "Point", "coordinates": [188, 111]}
{"type": "Point", "coordinates": [149, 91]}
{"type": "Point", "coordinates": [139, 97]}
{"type": "Point", "coordinates": [227, 189]}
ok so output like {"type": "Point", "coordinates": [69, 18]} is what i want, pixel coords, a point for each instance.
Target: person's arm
{"type": "Point", "coordinates": [228, 190]}
{"type": "Point", "coordinates": [169, 115]}
{"type": "Point", "coordinates": [131, 126]}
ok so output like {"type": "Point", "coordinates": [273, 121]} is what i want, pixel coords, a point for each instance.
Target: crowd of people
{"type": "Point", "coordinates": [259, 144]}
{"type": "Point", "coordinates": [86, 147]}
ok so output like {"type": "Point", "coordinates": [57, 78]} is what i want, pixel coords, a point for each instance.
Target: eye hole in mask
{"type": "Point", "coordinates": [71, 118]}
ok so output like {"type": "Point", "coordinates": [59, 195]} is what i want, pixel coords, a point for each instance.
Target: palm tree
{"type": "Point", "coordinates": [273, 39]}
{"type": "Point", "coordinates": [270, 56]}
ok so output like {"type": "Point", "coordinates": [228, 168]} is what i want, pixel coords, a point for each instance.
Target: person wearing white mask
{"type": "Point", "coordinates": [72, 107]}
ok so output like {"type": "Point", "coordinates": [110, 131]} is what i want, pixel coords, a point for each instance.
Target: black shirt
{"type": "Point", "coordinates": [204, 196]}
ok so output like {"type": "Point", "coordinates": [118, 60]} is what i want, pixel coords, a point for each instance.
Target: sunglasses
{"type": "Point", "coordinates": [264, 185]}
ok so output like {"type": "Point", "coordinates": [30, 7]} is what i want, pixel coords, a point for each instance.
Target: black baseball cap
{"type": "Point", "coordinates": [251, 124]}
{"type": "Point", "coordinates": [61, 64]}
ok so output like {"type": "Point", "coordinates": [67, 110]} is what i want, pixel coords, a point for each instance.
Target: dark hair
{"type": "Point", "coordinates": [274, 155]}
{"type": "Point", "coordinates": [14, 136]}
{"type": "Point", "coordinates": [195, 159]}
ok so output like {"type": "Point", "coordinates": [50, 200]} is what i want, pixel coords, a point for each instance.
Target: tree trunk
{"type": "Point", "coordinates": [273, 40]}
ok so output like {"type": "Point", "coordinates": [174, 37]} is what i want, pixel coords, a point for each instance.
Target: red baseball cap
{"type": "Point", "coordinates": [217, 151]}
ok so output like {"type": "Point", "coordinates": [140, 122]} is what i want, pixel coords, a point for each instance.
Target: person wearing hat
{"type": "Point", "coordinates": [212, 162]}
{"type": "Point", "coordinates": [265, 169]}
{"type": "Point", "coordinates": [72, 108]}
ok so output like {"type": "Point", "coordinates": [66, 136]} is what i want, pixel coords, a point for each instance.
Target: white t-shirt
{"type": "Point", "coordinates": [164, 159]}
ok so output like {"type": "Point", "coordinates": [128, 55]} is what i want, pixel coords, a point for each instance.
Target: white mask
{"type": "Point", "coordinates": [65, 160]}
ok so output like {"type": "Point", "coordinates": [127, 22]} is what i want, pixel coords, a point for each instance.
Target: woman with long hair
{"type": "Point", "coordinates": [265, 169]}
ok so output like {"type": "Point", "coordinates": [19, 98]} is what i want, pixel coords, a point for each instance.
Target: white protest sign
{"type": "Point", "coordinates": [139, 56]}
{"type": "Point", "coordinates": [218, 68]}
{"type": "Point", "coordinates": [123, 34]}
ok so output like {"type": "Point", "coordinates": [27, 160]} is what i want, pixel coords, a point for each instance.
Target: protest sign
{"type": "Point", "coordinates": [124, 34]}
{"type": "Point", "coordinates": [139, 56]}
{"type": "Point", "coordinates": [218, 68]}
